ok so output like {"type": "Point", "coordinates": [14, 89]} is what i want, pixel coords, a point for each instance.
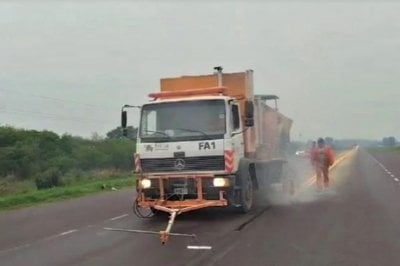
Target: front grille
{"type": "Point", "coordinates": [201, 163]}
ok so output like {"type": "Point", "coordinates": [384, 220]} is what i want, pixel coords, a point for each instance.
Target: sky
{"type": "Point", "coordinates": [70, 66]}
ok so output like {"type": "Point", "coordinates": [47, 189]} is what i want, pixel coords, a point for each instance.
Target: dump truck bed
{"type": "Point", "coordinates": [272, 131]}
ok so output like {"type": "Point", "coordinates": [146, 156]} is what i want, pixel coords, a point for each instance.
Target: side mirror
{"type": "Point", "coordinates": [249, 114]}
{"type": "Point", "coordinates": [124, 119]}
{"type": "Point", "coordinates": [249, 109]}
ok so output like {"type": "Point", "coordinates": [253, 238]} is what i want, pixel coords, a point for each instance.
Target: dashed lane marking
{"type": "Point", "coordinates": [38, 241]}
{"type": "Point", "coordinates": [199, 247]}
{"type": "Point", "coordinates": [67, 232]}
{"type": "Point", "coordinates": [385, 169]}
{"type": "Point", "coordinates": [119, 217]}
{"type": "Point", "coordinates": [15, 248]}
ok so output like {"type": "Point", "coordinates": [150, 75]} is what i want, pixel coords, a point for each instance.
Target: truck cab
{"type": "Point", "coordinates": [190, 135]}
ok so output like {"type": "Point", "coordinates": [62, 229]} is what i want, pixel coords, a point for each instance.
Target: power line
{"type": "Point", "coordinates": [50, 116]}
{"type": "Point", "coordinates": [59, 100]}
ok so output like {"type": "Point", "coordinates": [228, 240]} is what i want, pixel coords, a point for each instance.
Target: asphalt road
{"type": "Point", "coordinates": [356, 222]}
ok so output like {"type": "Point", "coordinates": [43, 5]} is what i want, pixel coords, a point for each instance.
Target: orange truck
{"type": "Point", "coordinates": [207, 141]}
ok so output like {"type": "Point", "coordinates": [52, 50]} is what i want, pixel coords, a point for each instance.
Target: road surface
{"type": "Point", "coordinates": [356, 222]}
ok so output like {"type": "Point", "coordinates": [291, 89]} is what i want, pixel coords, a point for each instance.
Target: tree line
{"type": "Point", "coordinates": [46, 157]}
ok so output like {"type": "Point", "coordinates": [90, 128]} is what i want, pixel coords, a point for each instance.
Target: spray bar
{"type": "Point", "coordinates": [146, 232]}
{"type": "Point", "coordinates": [164, 235]}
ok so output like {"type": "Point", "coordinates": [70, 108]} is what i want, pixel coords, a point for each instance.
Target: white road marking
{"type": "Point", "coordinates": [68, 232]}
{"type": "Point", "coordinates": [199, 247]}
{"type": "Point", "coordinates": [14, 248]}
{"type": "Point", "coordinates": [119, 217]}
{"type": "Point", "coordinates": [385, 169]}
{"type": "Point", "coordinates": [38, 241]}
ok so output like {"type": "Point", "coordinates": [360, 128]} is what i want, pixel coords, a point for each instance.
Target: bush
{"type": "Point", "coordinates": [9, 186]}
{"type": "Point", "coordinates": [26, 154]}
{"type": "Point", "coordinates": [50, 178]}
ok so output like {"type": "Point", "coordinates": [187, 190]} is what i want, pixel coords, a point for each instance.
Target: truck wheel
{"type": "Point", "coordinates": [246, 194]}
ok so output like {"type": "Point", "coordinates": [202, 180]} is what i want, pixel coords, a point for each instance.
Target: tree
{"type": "Point", "coordinates": [117, 133]}
{"type": "Point", "coordinates": [389, 141]}
{"type": "Point", "coordinates": [329, 140]}
{"type": "Point", "coordinates": [96, 137]}
{"type": "Point", "coordinates": [44, 155]}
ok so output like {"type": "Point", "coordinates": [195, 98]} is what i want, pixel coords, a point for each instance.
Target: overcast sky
{"type": "Point", "coordinates": [68, 67]}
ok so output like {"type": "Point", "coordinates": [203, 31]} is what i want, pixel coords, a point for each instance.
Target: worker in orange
{"type": "Point", "coordinates": [322, 158]}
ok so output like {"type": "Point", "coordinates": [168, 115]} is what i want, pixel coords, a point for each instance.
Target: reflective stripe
{"type": "Point", "coordinates": [229, 161]}
{"type": "Point", "coordinates": [138, 167]}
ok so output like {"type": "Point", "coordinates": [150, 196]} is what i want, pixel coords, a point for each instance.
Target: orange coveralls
{"type": "Point", "coordinates": [322, 158]}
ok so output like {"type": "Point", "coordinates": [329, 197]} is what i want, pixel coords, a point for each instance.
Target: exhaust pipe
{"type": "Point", "coordinates": [219, 75]}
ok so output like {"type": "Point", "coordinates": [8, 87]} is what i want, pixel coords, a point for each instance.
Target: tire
{"type": "Point", "coordinates": [246, 194]}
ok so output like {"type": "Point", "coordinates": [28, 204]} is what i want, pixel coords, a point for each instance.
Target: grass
{"type": "Point", "coordinates": [59, 193]}
{"type": "Point", "coordinates": [8, 186]}
{"type": "Point", "coordinates": [385, 149]}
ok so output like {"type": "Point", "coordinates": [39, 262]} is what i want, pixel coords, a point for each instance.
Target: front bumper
{"type": "Point", "coordinates": [199, 193]}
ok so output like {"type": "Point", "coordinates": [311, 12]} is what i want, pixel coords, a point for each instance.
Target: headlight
{"type": "Point", "coordinates": [145, 183]}
{"type": "Point", "coordinates": [220, 182]}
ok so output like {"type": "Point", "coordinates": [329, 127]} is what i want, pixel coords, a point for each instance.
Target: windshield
{"type": "Point", "coordinates": [188, 120]}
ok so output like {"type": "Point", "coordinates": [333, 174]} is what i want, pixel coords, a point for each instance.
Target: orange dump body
{"type": "Point", "coordinates": [188, 92]}
{"type": "Point", "coordinates": [238, 85]}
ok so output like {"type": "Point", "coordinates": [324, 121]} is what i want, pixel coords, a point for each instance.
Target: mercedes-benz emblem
{"type": "Point", "coordinates": [179, 164]}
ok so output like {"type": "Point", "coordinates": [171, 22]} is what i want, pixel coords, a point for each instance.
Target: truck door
{"type": "Point", "coordinates": [237, 134]}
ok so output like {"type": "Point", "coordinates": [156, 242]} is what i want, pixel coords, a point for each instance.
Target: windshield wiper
{"type": "Point", "coordinates": [194, 130]}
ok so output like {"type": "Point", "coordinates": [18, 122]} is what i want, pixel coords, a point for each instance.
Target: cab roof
{"type": "Point", "coordinates": [193, 98]}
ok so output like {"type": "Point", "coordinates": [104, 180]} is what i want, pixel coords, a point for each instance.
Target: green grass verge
{"type": "Point", "coordinates": [385, 149]}
{"type": "Point", "coordinates": [59, 193]}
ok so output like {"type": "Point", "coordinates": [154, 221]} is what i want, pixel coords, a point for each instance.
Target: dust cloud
{"type": "Point", "coordinates": [298, 172]}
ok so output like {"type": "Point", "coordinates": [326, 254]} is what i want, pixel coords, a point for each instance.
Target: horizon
{"type": "Point", "coordinates": [96, 135]}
